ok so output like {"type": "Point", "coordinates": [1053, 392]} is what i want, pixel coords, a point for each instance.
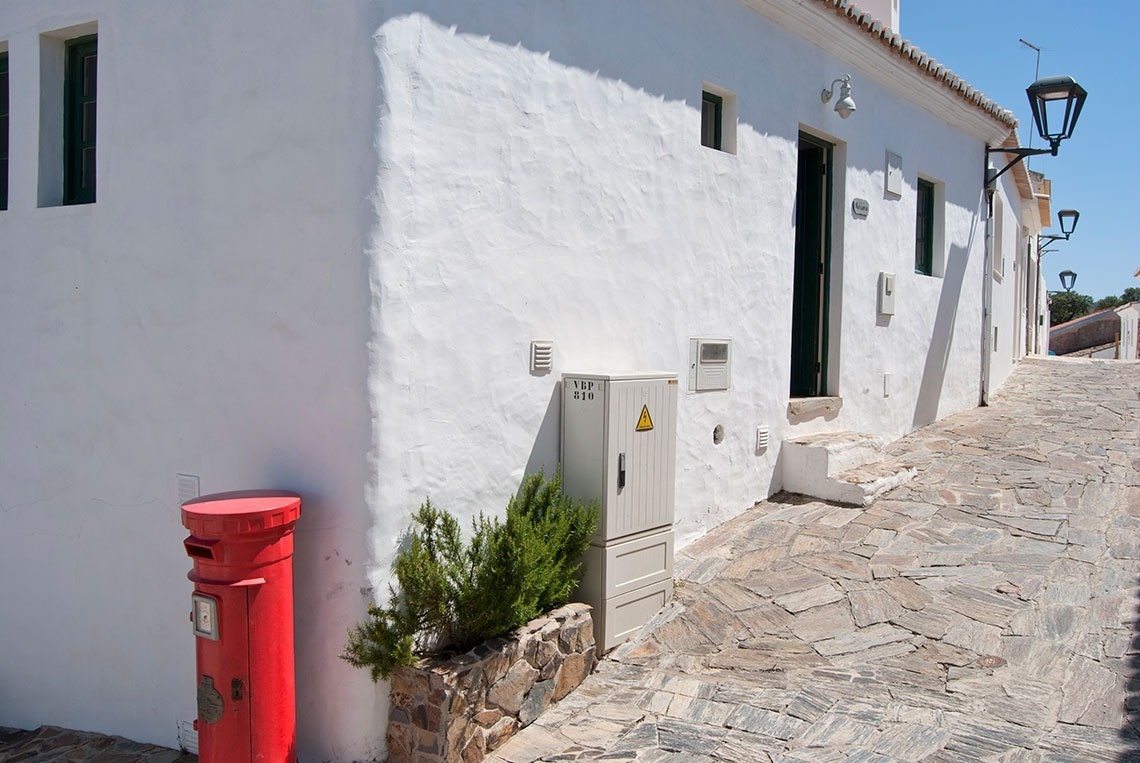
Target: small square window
{"type": "Point", "coordinates": [718, 119]}
{"type": "Point", "coordinates": [712, 120]}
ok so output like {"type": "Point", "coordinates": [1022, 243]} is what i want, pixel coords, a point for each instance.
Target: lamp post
{"type": "Point", "coordinates": [1067, 218]}
{"type": "Point", "coordinates": [1056, 103]}
{"type": "Point", "coordinates": [1068, 279]}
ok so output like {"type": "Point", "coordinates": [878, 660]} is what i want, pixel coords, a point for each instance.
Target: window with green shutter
{"type": "Point", "coordinates": [924, 230]}
{"type": "Point", "coordinates": [3, 130]}
{"type": "Point", "coordinates": [712, 120]}
{"type": "Point", "coordinates": [79, 120]}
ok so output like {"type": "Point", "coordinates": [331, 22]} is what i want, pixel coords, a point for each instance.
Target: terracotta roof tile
{"type": "Point", "coordinates": [907, 50]}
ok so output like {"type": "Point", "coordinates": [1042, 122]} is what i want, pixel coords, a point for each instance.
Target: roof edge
{"type": "Point", "coordinates": [911, 54]}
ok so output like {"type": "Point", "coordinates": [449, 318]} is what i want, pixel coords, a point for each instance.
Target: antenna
{"type": "Point", "coordinates": [1036, 73]}
{"type": "Point", "coordinates": [1037, 70]}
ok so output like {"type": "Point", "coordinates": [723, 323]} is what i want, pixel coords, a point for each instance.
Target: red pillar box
{"type": "Point", "coordinates": [242, 610]}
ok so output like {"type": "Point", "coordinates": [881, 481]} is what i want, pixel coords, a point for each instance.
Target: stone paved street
{"type": "Point", "coordinates": [49, 744]}
{"type": "Point", "coordinates": [986, 611]}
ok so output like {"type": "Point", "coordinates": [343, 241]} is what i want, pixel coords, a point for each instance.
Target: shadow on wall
{"type": "Point", "coordinates": [614, 40]}
{"type": "Point", "coordinates": [546, 450]}
{"type": "Point", "coordinates": [942, 336]}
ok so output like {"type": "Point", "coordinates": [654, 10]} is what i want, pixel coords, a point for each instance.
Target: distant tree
{"type": "Point", "coordinates": [1131, 294]}
{"type": "Point", "coordinates": [1065, 306]}
{"type": "Point", "coordinates": [1106, 302]}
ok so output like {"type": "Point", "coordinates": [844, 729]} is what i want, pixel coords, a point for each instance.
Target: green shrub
{"type": "Point", "coordinates": [451, 594]}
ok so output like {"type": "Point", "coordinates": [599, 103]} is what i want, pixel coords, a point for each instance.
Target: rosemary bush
{"type": "Point", "coordinates": [451, 594]}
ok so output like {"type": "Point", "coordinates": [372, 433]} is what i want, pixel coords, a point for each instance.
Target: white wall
{"type": "Point", "coordinates": [1129, 329]}
{"type": "Point", "coordinates": [1007, 275]}
{"type": "Point", "coordinates": [209, 314]}
{"type": "Point", "coordinates": [325, 236]}
{"type": "Point", "coordinates": [543, 179]}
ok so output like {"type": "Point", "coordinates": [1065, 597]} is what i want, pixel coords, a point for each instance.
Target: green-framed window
{"type": "Point", "coordinates": [3, 130]}
{"type": "Point", "coordinates": [80, 78]}
{"type": "Point", "coordinates": [924, 229]}
{"type": "Point", "coordinates": [712, 120]}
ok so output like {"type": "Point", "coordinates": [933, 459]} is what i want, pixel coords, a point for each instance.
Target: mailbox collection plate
{"type": "Point", "coordinates": [205, 616]}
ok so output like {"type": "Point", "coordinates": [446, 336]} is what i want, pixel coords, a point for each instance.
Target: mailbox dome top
{"type": "Point", "coordinates": [241, 512]}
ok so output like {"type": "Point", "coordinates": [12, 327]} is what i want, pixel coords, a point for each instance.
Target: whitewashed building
{"type": "Point", "coordinates": [311, 243]}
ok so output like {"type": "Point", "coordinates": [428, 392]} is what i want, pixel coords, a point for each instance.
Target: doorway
{"type": "Point", "coordinates": [812, 275]}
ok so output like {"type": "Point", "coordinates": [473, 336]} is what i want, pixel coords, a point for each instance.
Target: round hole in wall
{"type": "Point", "coordinates": [718, 434]}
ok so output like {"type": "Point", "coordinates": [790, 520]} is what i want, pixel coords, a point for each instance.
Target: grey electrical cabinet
{"type": "Point", "coordinates": [619, 447]}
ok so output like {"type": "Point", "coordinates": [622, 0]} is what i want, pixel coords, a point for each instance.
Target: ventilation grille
{"type": "Point", "coordinates": [541, 356]}
{"type": "Point", "coordinates": [188, 488]}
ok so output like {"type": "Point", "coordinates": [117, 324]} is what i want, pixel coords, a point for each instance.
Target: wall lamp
{"type": "Point", "coordinates": [1068, 279]}
{"type": "Point", "coordinates": [845, 106]}
{"type": "Point", "coordinates": [1068, 220]}
{"type": "Point", "coordinates": [1056, 103]}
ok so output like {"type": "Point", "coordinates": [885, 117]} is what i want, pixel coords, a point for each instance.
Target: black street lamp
{"type": "Point", "coordinates": [1056, 103]}
{"type": "Point", "coordinates": [1068, 279]}
{"type": "Point", "coordinates": [1067, 218]}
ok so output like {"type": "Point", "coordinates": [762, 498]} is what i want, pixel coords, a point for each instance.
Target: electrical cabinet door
{"type": "Point", "coordinates": [619, 447]}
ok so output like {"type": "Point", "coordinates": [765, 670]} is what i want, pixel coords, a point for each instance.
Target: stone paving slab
{"type": "Point", "coordinates": [989, 610]}
{"type": "Point", "coordinates": [50, 744]}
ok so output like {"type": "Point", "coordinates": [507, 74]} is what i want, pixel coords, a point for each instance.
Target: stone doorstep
{"type": "Point", "coordinates": [843, 467]}
{"type": "Point", "coordinates": [834, 452]}
{"type": "Point", "coordinates": [864, 484]}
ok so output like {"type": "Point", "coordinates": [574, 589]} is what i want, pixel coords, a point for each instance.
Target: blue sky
{"type": "Point", "coordinates": [1097, 171]}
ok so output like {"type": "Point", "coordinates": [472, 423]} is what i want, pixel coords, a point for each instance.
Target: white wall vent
{"type": "Point", "coordinates": [188, 487]}
{"type": "Point", "coordinates": [541, 356]}
{"type": "Point", "coordinates": [763, 436]}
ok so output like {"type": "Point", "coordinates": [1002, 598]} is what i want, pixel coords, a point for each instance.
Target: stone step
{"type": "Point", "coordinates": [844, 467]}
{"type": "Point", "coordinates": [863, 484]}
{"type": "Point", "coordinates": [811, 459]}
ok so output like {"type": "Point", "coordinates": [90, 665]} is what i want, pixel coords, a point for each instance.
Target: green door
{"type": "Point", "coordinates": [809, 287]}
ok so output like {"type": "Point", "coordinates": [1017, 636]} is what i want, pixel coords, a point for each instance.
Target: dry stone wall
{"type": "Point", "coordinates": [460, 708]}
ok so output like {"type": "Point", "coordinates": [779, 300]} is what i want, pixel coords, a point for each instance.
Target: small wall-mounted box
{"type": "Point", "coordinates": [886, 293]}
{"type": "Point", "coordinates": [710, 364]}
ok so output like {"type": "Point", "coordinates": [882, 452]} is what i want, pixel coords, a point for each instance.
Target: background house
{"type": "Point", "coordinates": [1110, 333]}
{"type": "Point", "coordinates": [323, 237]}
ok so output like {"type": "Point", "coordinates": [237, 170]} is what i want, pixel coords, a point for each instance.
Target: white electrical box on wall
{"type": "Point", "coordinates": [886, 293]}
{"type": "Point", "coordinates": [710, 364]}
{"type": "Point", "coordinates": [619, 446]}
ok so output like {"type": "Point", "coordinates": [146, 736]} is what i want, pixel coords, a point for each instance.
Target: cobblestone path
{"type": "Point", "coordinates": [50, 744]}
{"type": "Point", "coordinates": [987, 611]}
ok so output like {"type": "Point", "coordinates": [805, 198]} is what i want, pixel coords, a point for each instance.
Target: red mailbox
{"type": "Point", "coordinates": [242, 610]}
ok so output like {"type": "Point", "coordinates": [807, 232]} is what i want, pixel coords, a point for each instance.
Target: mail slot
{"type": "Point", "coordinates": [242, 616]}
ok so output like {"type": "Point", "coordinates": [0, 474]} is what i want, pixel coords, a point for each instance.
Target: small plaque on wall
{"type": "Point", "coordinates": [860, 208]}
{"type": "Point", "coordinates": [894, 179]}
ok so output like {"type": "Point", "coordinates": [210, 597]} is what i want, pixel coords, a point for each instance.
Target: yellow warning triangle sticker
{"type": "Point", "coordinates": [644, 423]}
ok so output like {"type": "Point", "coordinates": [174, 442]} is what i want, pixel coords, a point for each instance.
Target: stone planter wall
{"type": "Point", "coordinates": [460, 708]}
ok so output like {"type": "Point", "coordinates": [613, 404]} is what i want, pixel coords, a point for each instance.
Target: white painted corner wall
{"type": "Point", "coordinates": [580, 207]}
{"type": "Point", "coordinates": [321, 271]}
